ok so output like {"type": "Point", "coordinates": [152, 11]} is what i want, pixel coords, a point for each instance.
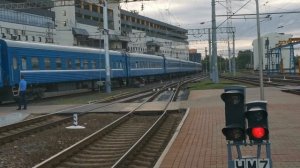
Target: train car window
{"type": "Point", "coordinates": [58, 63]}
{"type": "Point", "coordinates": [77, 63]}
{"type": "Point", "coordinates": [47, 63]}
{"type": "Point", "coordinates": [85, 64]}
{"type": "Point", "coordinates": [102, 64]}
{"type": "Point", "coordinates": [69, 63]}
{"type": "Point", "coordinates": [24, 63]}
{"type": "Point", "coordinates": [121, 65]}
{"type": "Point", "coordinates": [34, 63]}
{"type": "Point", "coordinates": [93, 64]}
{"type": "Point", "coordinates": [15, 62]}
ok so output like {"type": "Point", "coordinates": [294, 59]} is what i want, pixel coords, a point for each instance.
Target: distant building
{"type": "Point", "coordinates": [194, 56]}
{"type": "Point", "coordinates": [26, 25]}
{"type": "Point", "coordinates": [80, 23]}
{"type": "Point", "coordinates": [154, 37]}
{"type": "Point", "coordinates": [273, 39]}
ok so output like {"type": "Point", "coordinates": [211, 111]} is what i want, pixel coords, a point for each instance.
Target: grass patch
{"type": "Point", "coordinates": [208, 84]}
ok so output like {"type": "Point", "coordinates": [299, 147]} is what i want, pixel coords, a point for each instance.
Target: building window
{"type": "Point", "coordinates": [94, 8]}
{"type": "Point", "coordinates": [65, 23]}
{"type": "Point", "coordinates": [95, 18]}
{"type": "Point", "coordinates": [86, 6]}
{"type": "Point", "coordinates": [79, 15]}
{"type": "Point", "coordinates": [40, 39]}
{"type": "Point", "coordinates": [33, 38]}
{"type": "Point", "coordinates": [87, 17]}
{"type": "Point", "coordinates": [3, 35]}
{"type": "Point", "coordinates": [26, 38]}
{"type": "Point", "coordinates": [19, 37]}
{"type": "Point", "coordinates": [7, 31]}
{"type": "Point", "coordinates": [64, 13]}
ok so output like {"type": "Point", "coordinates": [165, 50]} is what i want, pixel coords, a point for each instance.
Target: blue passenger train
{"type": "Point", "coordinates": [48, 67]}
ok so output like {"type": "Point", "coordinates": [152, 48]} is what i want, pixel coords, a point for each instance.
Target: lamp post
{"type": "Point", "coordinates": [260, 55]}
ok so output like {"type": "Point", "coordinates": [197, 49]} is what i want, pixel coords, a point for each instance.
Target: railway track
{"type": "Point", "coordinates": [42, 124]}
{"type": "Point", "coordinates": [253, 81]}
{"type": "Point", "coordinates": [21, 129]}
{"type": "Point", "coordinates": [116, 144]}
{"type": "Point", "coordinates": [105, 151]}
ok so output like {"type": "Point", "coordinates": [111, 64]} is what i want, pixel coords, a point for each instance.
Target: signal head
{"type": "Point", "coordinates": [257, 117]}
{"type": "Point", "coordinates": [234, 113]}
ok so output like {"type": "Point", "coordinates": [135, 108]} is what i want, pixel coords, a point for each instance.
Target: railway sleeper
{"type": "Point", "coordinates": [143, 163]}
{"type": "Point", "coordinates": [84, 165]}
{"type": "Point", "coordinates": [107, 152]}
{"type": "Point", "coordinates": [94, 160]}
{"type": "Point", "coordinates": [102, 156]}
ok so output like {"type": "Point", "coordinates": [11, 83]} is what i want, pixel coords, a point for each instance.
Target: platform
{"type": "Point", "coordinates": [9, 115]}
{"type": "Point", "coordinates": [201, 144]}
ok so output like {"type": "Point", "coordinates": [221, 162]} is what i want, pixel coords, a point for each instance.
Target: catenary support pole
{"type": "Point", "coordinates": [106, 48]}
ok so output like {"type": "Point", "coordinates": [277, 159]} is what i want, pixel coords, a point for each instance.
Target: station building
{"type": "Point", "coordinates": [80, 23]}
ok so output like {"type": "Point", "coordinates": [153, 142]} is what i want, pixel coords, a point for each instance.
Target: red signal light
{"type": "Point", "coordinates": [258, 132]}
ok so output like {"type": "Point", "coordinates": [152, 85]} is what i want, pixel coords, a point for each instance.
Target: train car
{"type": "Point", "coordinates": [1, 81]}
{"type": "Point", "coordinates": [172, 65]}
{"type": "Point", "coordinates": [144, 65]}
{"type": "Point", "coordinates": [189, 66]}
{"type": "Point", "coordinates": [52, 67]}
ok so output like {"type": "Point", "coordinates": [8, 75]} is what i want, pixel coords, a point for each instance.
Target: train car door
{"type": "Point", "coordinates": [127, 66]}
{"type": "Point", "coordinates": [1, 76]}
{"type": "Point", "coordinates": [15, 69]}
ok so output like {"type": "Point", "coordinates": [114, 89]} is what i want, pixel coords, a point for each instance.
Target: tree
{"type": "Point", "coordinates": [243, 60]}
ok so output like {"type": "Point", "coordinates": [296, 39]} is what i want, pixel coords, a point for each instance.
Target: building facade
{"type": "Point", "coordinates": [154, 37]}
{"type": "Point", "coordinates": [80, 23]}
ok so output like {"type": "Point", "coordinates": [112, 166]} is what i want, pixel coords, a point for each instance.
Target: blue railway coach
{"type": "Point", "coordinates": [145, 65]}
{"type": "Point", "coordinates": [48, 67]}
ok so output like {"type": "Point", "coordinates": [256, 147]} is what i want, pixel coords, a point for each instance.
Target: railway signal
{"type": "Point", "coordinates": [257, 117]}
{"type": "Point", "coordinates": [234, 98]}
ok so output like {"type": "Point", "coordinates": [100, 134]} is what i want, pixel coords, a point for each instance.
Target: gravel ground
{"type": "Point", "coordinates": [31, 150]}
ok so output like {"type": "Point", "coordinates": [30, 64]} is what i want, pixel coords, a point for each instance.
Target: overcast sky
{"type": "Point", "coordinates": [196, 14]}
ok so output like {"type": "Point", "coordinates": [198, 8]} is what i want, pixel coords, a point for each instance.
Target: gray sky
{"type": "Point", "coordinates": [196, 14]}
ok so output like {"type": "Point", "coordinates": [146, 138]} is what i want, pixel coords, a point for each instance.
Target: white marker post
{"type": "Point", "coordinates": [75, 123]}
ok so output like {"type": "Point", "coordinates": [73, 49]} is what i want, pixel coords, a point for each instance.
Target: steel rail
{"type": "Point", "coordinates": [154, 128]}
{"type": "Point", "coordinates": [56, 159]}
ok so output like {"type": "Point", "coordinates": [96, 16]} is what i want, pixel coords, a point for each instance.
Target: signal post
{"type": "Point", "coordinates": [245, 120]}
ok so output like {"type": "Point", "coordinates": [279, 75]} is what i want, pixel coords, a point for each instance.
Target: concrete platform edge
{"type": "Point", "coordinates": [161, 158]}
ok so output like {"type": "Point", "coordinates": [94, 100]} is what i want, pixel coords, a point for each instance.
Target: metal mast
{"type": "Point", "coordinates": [229, 24]}
{"type": "Point", "coordinates": [214, 44]}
